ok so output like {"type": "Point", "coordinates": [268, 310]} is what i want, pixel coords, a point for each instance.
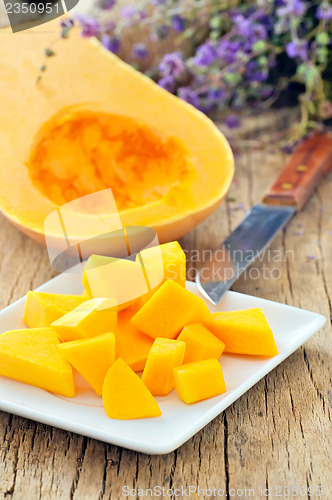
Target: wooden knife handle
{"type": "Point", "coordinates": [310, 162]}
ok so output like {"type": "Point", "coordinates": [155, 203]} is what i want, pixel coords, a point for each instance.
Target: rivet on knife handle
{"type": "Point", "coordinates": [306, 168]}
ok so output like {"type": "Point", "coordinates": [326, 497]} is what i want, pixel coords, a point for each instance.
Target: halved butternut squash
{"type": "Point", "coordinates": [92, 123]}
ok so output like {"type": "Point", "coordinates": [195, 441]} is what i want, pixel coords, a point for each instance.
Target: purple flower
{"type": "Point", "coordinates": [167, 83]}
{"type": "Point", "coordinates": [172, 65]}
{"type": "Point", "coordinates": [215, 95]}
{"type": "Point", "coordinates": [324, 11]}
{"type": "Point", "coordinates": [108, 4]}
{"type": "Point", "coordinates": [255, 73]}
{"type": "Point", "coordinates": [66, 26]}
{"type": "Point", "coordinates": [292, 8]}
{"type": "Point", "coordinates": [232, 121]}
{"type": "Point", "coordinates": [111, 43]}
{"type": "Point", "coordinates": [67, 23]}
{"type": "Point", "coordinates": [266, 92]}
{"type": "Point", "coordinates": [248, 29]}
{"type": "Point", "coordinates": [178, 23]}
{"type": "Point", "coordinates": [205, 55]}
{"type": "Point", "coordinates": [140, 51]}
{"type": "Point", "coordinates": [288, 148]}
{"type": "Point", "coordinates": [228, 51]}
{"type": "Point", "coordinates": [158, 2]}
{"type": "Point", "coordinates": [189, 95]}
{"type": "Point", "coordinates": [90, 26]}
{"type": "Point", "coordinates": [243, 25]}
{"type": "Point", "coordinates": [297, 49]}
{"type": "Point", "coordinates": [129, 11]}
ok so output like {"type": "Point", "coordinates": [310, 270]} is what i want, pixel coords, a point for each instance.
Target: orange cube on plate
{"type": "Point", "coordinates": [165, 354]}
{"type": "Point", "coordinates": [131, 345]}
{"type": "Point", "coordinates": [91, 357]}
{"type": "Point", "coordinates": [125, 396]}
{"type": "Point", "coordinates": [170, 309]}
{"type": "Point", "coordinates": [201, 380]}
{"type": "Point", "coordinates": [32, 356]}
{"type": "Point", "coordinates": [243, 332]}
{"type": "Point", "coordinates": [200, 343]}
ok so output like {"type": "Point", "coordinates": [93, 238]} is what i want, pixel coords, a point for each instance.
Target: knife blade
{"type": "Point", "coordinates": [310, 162]}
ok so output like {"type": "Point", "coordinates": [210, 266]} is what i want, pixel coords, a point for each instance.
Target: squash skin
{"type": "Point", "coordinates": [171, 217]}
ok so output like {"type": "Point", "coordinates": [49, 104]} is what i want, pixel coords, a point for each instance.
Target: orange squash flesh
{"type": "Point", "coordinates": [119, 279]}
{"type": "Point", "coordinates": [91, 357]}
{"type": "Point", "coordinates": [165, 173]}
{"type": "Point", "coordinates": [125, 396]}
{"type": "Point", "coordinates": [201, 380]}
{"type": "Point", "coordinates": [41, 309]}
{"type": "Point", "coordinates": [165, 354]}
{"type": "Point", "coordinates": [243, 332]}
{"type": "Point", "coordinates": [170, 256]}
{"type": "Point", "coordinates": [32, 356]}
{"type": "Point", "coordinates": [173, 260]}
{"type": "Point", "coordinates": [169, 310]}
{"type": "Point", "coordinates": [200, 343]}
{"type": "Point", "coordinates": [132, 345]}
{"type": "Point", "coordinates": [92, 318]}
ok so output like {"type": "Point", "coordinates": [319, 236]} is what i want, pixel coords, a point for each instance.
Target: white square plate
{"type": "Point", "coordinates": [85, 414]}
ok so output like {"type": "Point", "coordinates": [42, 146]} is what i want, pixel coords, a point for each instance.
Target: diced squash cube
{"type": "Point", "coordinates": [125, 396]}
{"type": "Point", "coordinates": [119, 279]}
{"type": "Point", "coordinates": [171, 258]}
{"type": "Point", "coordinates": [41, 309]}
{"type": "Point", "coordinates": [92, 318]}
{"type": "Point", "coordinates": [165, 354]}
{"type": "Point", "coordinates": [200, 380]}
{"type": "Point", "coordinates": [91, 357]}
{"type": "Point", "coordinates": [169, 310]}
{"type": "Point", "coordinates": [131, 345]}
{"type": "Point", "coordinates": [32, 356]}
{"type": "Point", "coordinates": [200, 343]}
{"type": "Point", "coordinates": [243, 332]}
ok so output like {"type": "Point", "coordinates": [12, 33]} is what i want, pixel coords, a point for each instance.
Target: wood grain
{"type": "Point", "coordinates": [277, 434]}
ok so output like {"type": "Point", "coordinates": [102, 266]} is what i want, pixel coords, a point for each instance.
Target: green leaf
{"type": "Point", "coordinates": [259, 46]}
{"type": "Point", "coordinates": [232, 78]}
{"type": "Point", "coordinates": [214, 35]}
{"type": "Point", "coordinates": [302, 69]}
{"type": "Point", "coordinates": [215, 22]}
{"type": "Point", "coordinates": [322, 39]}
{"type": "Point", "coordinates": [311, 107]}
{"type": "Point", "coordinates": [322, 54]}
{"type": "Point", "coordinates": [189, 33]}
{"type": "Point", "coordinates": [262, 61]}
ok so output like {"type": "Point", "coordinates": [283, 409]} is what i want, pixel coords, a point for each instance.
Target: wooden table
{"type": "Point", "coordinates": [276, 435]}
